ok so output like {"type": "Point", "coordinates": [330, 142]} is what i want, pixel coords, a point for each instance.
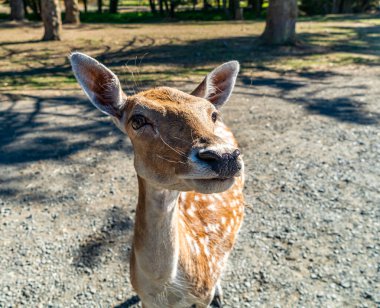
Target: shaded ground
{"type": "Point", "coordinates": [308, 125]}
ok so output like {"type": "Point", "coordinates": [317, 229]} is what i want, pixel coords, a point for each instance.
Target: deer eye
{"type": "Point", "coordinates": [138, 121]}
{"type": "Point", "coordinates": [214, 116]}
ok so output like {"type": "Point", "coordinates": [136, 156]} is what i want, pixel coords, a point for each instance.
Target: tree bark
{"type": "Point", "coordinates": [256, 7]}
{"type": "Point", "coordinates": [152, 5]}
{"type": "Point", "coordinates": [225, 8]}
{"type": "Point", "coordinates": [160, 4]}
{"type": "Point", "coordinates": [85, 4]}
{"type": "Point", "coordinates": [346, 7]}
{"type": "Point", "coordinates": [72, 12]}
{"type": "Point", "coordinates": [172, 8]}
{"type": "Point", "coordinates": [51, 17]}
{"type": "Point", "coordinates": [100, 6]}
{"type": "Point", "coordinates": [281, 20]}
{"type": "Point", "coordinates": [17, 10]}
{"type": "Point", "coordinates": [336, 7]}
{"type": "Point", "coordinates": [113, 6]}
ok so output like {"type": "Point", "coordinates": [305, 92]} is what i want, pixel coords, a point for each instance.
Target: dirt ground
{"type": "Point", "coordinates": [311, 144]}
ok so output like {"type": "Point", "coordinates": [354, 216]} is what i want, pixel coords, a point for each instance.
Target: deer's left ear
{"type": "Point", "coordinates": [99, 83]}
{"type": "Point", "coordinates": [218, 85]}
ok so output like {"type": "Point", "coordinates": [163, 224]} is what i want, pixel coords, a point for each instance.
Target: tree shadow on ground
{"type": "Point", "coordinates": [36, 131]}
{"type": "Point", "coordinates": [343, 109]}
{"type": "Point", "coordinates": [130, 302]}
{"type": "Point", "coordinates": [180, 57]}
{"type": "Point", "coordinates": [115, 232]}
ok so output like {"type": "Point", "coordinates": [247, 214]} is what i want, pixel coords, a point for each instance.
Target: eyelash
{"type": "Point", "coordinates": [136, 125]}
{"type": "Point", "coordinates": [214, 116]}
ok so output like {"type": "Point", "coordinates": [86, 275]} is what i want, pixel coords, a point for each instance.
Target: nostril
{"type": "Point", "coordinates": [202, 140]}
{"type": "Point", "coordinates": [236, 153]}
{"type": "Point", "coordinates": [208, 155]}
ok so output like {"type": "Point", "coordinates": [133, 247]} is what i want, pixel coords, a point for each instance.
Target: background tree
{"type": "Point", "coordinates": [281, 22]}
{"type": "Point", "coordinates": [113, 6]}
{"type": "Point", "coordinates": [17, 10]}
{"type": "Point", "coordinates": [235, 10]}
{"type": "Point", "coordinates": [72, 12]}
{"type": "Point", "coordinates": [256, 6]}
{"type": "Point", "coordinates": [51, 17]}
{"type": "Point", "coordinates": [152, 4]}
{"type": "Point", "coordinates": [100, 6]}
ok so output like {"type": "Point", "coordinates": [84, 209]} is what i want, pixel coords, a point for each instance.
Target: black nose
{"type": "Point", "coordinates": [224, 164]}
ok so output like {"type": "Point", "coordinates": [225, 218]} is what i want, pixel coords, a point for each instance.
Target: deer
{"type": "Point", "coordinates": [190, 175]}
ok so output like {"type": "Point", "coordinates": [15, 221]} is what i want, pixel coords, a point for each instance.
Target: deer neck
{"type": "Point", "coordinates": [156, 240]}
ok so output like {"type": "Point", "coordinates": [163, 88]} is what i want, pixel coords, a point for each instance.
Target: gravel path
{"type": "Point", "coordinates": [311, 143]}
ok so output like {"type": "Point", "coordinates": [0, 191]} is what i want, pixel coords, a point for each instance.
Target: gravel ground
{"type": "Point", "coordinates": [311, 144]}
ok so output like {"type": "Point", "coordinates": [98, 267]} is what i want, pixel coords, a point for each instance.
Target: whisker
{"type": "Point", "coordinates": [171, 161]}
{"type": "Point", "coordinates": [182, 140]}
{"type": "Point", "coordinates": [177, 151]}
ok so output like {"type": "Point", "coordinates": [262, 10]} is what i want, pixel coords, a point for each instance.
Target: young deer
{"type": "Point", "coordinates": [190, 178]}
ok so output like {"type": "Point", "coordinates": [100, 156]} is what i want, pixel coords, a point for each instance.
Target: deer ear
{"type": "Point", "coordinates": [100, 84]}
{"type": "Point", "coordinates": [218, 85]}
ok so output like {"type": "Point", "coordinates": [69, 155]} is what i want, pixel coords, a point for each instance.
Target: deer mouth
{"type": "Point", "coordinates": [211, 185]}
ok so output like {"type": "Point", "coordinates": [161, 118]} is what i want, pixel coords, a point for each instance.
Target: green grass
{"type": "Point", "coordinates": [148, 17]}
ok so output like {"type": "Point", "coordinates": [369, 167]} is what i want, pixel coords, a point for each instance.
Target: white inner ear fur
{"type": "Point", "coordinates": [99, 83]}
{"type": "Point", "coordinates": [218, 85]}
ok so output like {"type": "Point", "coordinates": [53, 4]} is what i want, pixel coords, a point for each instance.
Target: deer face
{"type": "Point", "coordinates": [172, 133]}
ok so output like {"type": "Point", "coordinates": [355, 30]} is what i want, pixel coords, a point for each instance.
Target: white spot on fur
{"type": "Point", "coordinates": [189, 239]}
{"type": "Point", "coordinates": [223, 220]}
{"type": "Point", "coordinates": [196, 198]}
{"type": "Point", "coordinates": [191, 210]}
{"type": "Point", "coordinates": [196, 248]}
{"type": "Point", "coordinates": [212, 207]}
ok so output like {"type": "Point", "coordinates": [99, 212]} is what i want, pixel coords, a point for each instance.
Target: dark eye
{"type": "Point", "coordinates": [214, 116]}
{"type": "Point", "coordinates": [138, 121]}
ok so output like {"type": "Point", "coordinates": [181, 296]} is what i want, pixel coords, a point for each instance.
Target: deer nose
{"type": "Point", "coordinates": [224, 164]}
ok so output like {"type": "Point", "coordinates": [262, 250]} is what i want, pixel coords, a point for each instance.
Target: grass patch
{"type": "Point", "coordinates": [38, 82]}
{"type": "Point", "coordinates": [181, 53]}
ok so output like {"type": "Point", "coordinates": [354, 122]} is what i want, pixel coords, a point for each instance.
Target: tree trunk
{"type": "Point", "coordinates": [72, 12]}
{"type": "Point", "coordinates": [113, 6]}
{"type": "Point", "coordinates": [346, 7]}
{"type": "Point", "coordinates": [25, 7]}
{"type": "Point", "coordinates": [225, 9]}
{"type": "Point", "coordinates": [256, 7]}
{"type": "Point", "coordinates": [166, 6]}
{"type": "Point", "coordinates": [281, 20]}
{"type": "Point", "coordinates": [152, 5]}
{"type": "Point", "coordinates": [172, 8]}
{"type": "Point", "coordinates": [238, 12]}
{"type": "Point", "coordinates": [160, 4]}
{"type": "Point", "coordinates": [100, 6]}
{"type": "Point", "coordinates": [336, 7]}
{"type": "Point", "coordinates": [17, 10]}
{"type": "Point", "coordinates": [85, 6]}
{"type": "Point", "coordinates": [235, 10]}
{"type": "Point", "coordinates": [51, 17]}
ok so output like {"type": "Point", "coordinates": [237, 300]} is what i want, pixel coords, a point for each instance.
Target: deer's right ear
{"type": "Point", "coordinates": [100, 84]}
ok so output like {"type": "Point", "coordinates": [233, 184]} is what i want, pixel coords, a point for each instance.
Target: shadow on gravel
{"type": "Point", "coordinates": [116, 231]}
{"type": "Point", "coordinates": [35, 130]}
{"type": "Point", "coordinates": [342, 108]}
{"type": "Point", "coordinates": [130, 302]}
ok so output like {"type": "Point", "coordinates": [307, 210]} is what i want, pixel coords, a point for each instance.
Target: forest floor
{"type": "Point", "coordinates": [307, 119]}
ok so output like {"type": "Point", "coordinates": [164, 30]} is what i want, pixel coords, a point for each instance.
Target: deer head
{"type": "Point", "coordinates": [172, 132]}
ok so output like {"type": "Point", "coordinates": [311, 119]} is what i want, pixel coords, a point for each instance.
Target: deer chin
{"type": "Point", "coordinates": [211, 186]}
